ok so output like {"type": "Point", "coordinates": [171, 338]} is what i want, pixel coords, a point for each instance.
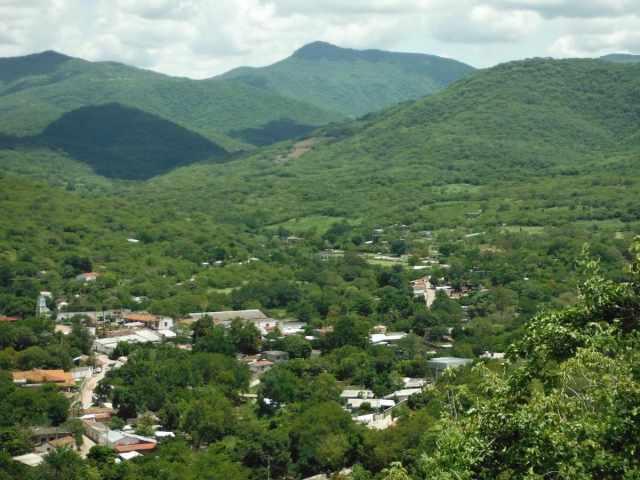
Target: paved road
{"type": "Point", "coordinates": [90, 383]}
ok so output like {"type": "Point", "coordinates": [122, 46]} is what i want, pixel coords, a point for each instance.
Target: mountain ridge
{"type": "Point", "coordinates": [352, 82]}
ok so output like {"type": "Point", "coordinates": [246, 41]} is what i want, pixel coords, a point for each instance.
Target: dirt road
{"type": "Point", "coordinates": [90, 384]}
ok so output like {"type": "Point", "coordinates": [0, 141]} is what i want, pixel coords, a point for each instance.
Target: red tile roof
{"type": "Point", "coordinates": [135, 448]}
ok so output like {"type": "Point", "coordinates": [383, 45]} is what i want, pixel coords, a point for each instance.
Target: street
{"type": "Point", "coordinates": [90, 384]}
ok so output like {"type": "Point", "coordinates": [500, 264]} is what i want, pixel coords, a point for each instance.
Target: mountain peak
{"type": "Point", "coordinates": [317, 50]}
{"type": "Point", "coordinates": [14, 68]}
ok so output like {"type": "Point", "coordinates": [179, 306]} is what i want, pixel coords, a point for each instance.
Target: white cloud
{"type": "Point", "coordinates": [201, 38]}
{"type": "Point", "coordinates": [598, 37]}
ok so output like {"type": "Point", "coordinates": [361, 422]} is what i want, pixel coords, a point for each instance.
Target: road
{"type": "Point", "coordinates": [429, 293]}
{"type": "Point", "coordinates": [90, 384]}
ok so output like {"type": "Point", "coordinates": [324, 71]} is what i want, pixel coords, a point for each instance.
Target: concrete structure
{"type": "Point", "coordinates": [92, 313]}
{"type": "Point", "coordinates": [46, 447]}
{"type": "Point", "coordinates": [377, 403]}
{"type": "Point", "coordinates": [107, 345]}
{"type": "Point", "coordinates": [357, 394]}
{"type": "Point", "coordinates": [439, 364]}
{"type": "Point", "coordinates": [41, 306]}
{"type": "Point", "coordinates": [30, 459]}
{"type": "Point", "coordinates": [48, 434]}
{"type": "Point", "coordinates": [260, 366]}
{"type": "Point", "coordinates": [81, 372]}
{"type": "Point", "coordinates": [275, 356]}
{"type": "Point", "coordinates": [402, 395]}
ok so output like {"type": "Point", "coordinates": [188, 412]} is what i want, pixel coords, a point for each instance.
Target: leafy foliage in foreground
{"type": "Point", "coordinates": [352, 82]}
{"type": "Point", "coordinates": [576, 420]}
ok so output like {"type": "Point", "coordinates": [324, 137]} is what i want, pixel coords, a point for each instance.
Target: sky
{"type": "Point", "coordinates": [204, 38]}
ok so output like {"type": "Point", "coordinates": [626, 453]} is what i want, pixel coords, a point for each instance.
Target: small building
{"type": "Point", "coordinates": [48, 434]}
{"type": "Point", "coordinates": [68, 442]}
{"type": "Point", "coordinates": [439, 364]}
{"type": "Point", "coordinates": [260, 366]}
{"type": "Point", "coordinates": [150, 321]}
{"type": "Point", "coordinates": [275, 356]}
{"type": "Point", "coordinates": [316, 353]}
{"type": "Point", "coordinates": [88, 277]}
{"type": "Point", "coordinates": [473, 215]}
{"type": "Point", "coordinates": [108, 345]}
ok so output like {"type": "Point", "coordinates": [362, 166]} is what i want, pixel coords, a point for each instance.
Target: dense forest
{"type": "Point", "coordinates": [514, 190]}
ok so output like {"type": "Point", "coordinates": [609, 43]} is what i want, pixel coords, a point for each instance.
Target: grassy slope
{"type": "Point", "coordinates": [350, 81]}
{"type": "Point", "coordinates": [542, 142]}
{"type": "Point", "coordinates": [37, 89]}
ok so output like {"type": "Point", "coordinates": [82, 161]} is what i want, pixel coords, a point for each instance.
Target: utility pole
{"type": "Point", "coordinates": [268, 466]}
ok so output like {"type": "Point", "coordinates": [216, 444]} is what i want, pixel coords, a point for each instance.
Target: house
{"type": "Point", "coordinates": [68, 442]}
{"type": "Point", "coordinates": [316, 353]}
{"type": "Point", "coordinates": [102, 435]}
{"type": "Point", "coordinates": [275, 356]}
{"type": "Point", "coordinates": [48, 434]}
{"type": "Point", "coordinates": [88, 277]}
{"type": "Point", "coordinates": [440, 364]}
{"type": "Point", "coordinates": [35, 378]}
{"type": "Point", "coordinates": [261, 366]}
{"type": "Point", "coordinates": [149, 321]}
{"type": "Point", "coordinates": [9, 319]}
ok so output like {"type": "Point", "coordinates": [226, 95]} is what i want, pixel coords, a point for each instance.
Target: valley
{"type": "Point", "coordinates": [277, 267]}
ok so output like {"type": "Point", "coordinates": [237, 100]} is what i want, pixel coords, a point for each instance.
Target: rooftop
{"type": "Point", "coordinates": [59, 377]}
{"type": "Point", "coordinates": [230, 315]}
{"type": "Point", "coordinates": [60, 442]}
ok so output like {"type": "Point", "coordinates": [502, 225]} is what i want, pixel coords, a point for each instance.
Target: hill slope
{"type": "Point", "coordinates": [537, 142]}
{"type": "Point", "coordinates": [120, 142]}
{"type": "Point", "coordinates": [352, 82]}
{"type": "Point", "coordinates": [621, 57]}
{"type": "Point", "coordinates": [37, 89]}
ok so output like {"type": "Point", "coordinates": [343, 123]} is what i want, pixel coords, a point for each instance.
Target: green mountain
{"type": "Point", "coordinates": [120, 142]}
{"type": "Point", "coordinates": [530, 143]}
{"type": "Point", "coordinates": [621, 57]}
{"type": "Point", "coordinates": [352, 82]}
{"type": "Point", "coordinates": [36, 90]}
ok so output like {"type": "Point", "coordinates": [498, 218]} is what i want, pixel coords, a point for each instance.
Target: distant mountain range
{"type": "Point", "coordinates": [549, 141]}
{"type": "Point", "coordinates": [352, 82]}
{"type": "Point", "coordinates": [41, 93]}
{"type": "Point", "coordinates": [621, 57]}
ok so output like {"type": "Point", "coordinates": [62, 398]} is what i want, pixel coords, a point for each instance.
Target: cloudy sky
{"type": "Point", "coordinates": [202, 38]}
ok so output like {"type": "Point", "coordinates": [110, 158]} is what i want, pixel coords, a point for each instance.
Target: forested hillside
{"type": "Point", "coordinates": [352, 82]}
{"type": "Point", "coordinates": [530, 143]}
{"type": "Point", "coordinates": [489, 190]}
{"type": "Point", "coordinates": [37, 89]}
